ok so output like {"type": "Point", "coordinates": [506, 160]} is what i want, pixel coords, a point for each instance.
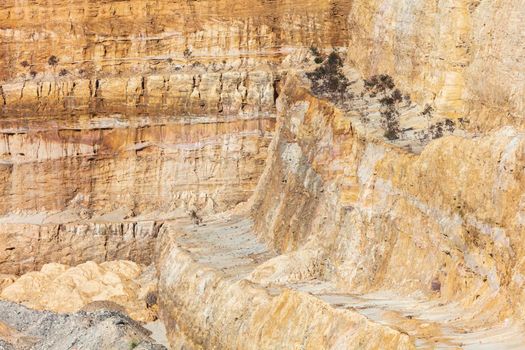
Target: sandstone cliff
{"type": "Point", "coordinates": [303, 175]}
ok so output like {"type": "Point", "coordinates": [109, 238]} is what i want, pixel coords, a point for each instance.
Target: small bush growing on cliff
{"type": "Point", "coordinates": [151, 299]}
{"type": "Point", "coordinates": [390, 122]}
{"type": "Point", "coordinates": [52, 60]}
{"type": "Point", "coordinates": [187, 53]}
{"type": "Point", "coordinates": [440, 128]}
{"type": "Point", "coordinates": [63, 72]}
{"type": "Point", "coordinates": [318, 58]}
{"type": "Point", "coordinates": [437, 130]}
{"type": "Point", "coordinates": [379, 83]}
{"type": "Point", "coordinates": [328, 79]}
{"type": "Point", "coordinates": [427, 111]}
{"type": "Point", "coordinates": [384, 84]}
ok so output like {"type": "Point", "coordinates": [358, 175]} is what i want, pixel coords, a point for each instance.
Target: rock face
{"type": "Point", "coordinates": [303, 175]}
{"type": "Point", "coordinates": [349, 195]}
{"type": "Point", "coordinates": [173, 57]}
{"type": "Point", "coordinates": [64, 289]}
{"type": "Point", "coordinates": [350, 215]}
{"type": "Point", "coordinates": [206, 297]}
{"type": "Point", "coordinates": [463, 57]}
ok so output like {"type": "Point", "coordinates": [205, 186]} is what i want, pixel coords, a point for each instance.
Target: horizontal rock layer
{"type": "Point", "coordinates": [70, 55]}
{"type": "Point", "coordinates": [207, 301]}
{"type": "Point", "coordinates": [118, 117]}
{"type": "Point", "coordinates": [117, 164]}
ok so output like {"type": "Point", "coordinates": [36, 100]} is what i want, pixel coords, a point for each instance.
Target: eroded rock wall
{"type": "Point", "coordinates": [104, 55]}
{"type": "Point", "coordinates": [205, 307]}
{"type": "Point", "coordinates": [365, 213]}
{"type": "Point", "coordinates": [462, 57]}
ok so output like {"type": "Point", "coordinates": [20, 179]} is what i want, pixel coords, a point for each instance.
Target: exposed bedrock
{"type": "Point", "coordinates": [303, 174]}
{"type": "Point", "coordinates": [207, 301]}
{"type": "Point", "coordinates": [358, 227]}
{"type": "Point", "coordinates": [99, 193]}
{"type": "Point", "coordinates": [445, 224]}
{"type": "Point", "coordinates": [460, 56]}
{"type": "Point", "coordinates": [164, 56]}
{"type": "Point", "coordinates": [140, 165]}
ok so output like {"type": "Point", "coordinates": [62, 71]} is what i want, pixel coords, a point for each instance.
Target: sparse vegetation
{"type": "Point", "coordinates": [390, 122]}
{"type": "Point", "coordinates": [384, 85]}
{"type": "Point", "coordinates": [133, 344]}
{"type": "Point", "coordinates": [379, 83]}
{"type": "Point", "coordinates": [328, 79]}
{"type": "Point", "coordinates": [437, 130]}
{"type": "Point", "coordinates": [151, 299]}
{"type": "Point", "coordinates": [427, 111]}
{"type": "Point", "coordinates": [397, 95]}
{"type": "Point", "coordinates": [197, 220]}
{"type": "Point", "coordinates": [63, 72]}
{"type": "Point", "coordinates": [52, 61]}
{"type": "Point", "coordinates": [24, 64]}
{"type": "Point", "coordinates": [318, 58]}
{"type": "Point", "coordinates": [315, 51]}
{"type": "Point", "coordinates": [187, 53]}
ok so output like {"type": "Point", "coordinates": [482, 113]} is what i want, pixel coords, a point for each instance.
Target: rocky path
{"type": "Point", "coordinates": [228, 244]}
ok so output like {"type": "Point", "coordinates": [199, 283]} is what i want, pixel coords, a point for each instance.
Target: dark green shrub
{"type": "Point", "coordinates": [328, 79]}
{"type": "Point", "coordinates": [52, 61]}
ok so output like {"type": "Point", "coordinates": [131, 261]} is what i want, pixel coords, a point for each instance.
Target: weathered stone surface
{"type": "Point", "coordinates": [70, 195]}
{"type": "Point", "coordinates": [65, 289]}
{"type": "Point", "coordinates": [387, 198]}
{"type": "Point", "coordinates": [443, 227]}
{"type": "Point", "coordinates": [463, 57]}
{"type": "Point", "coordinates": [207, 302]}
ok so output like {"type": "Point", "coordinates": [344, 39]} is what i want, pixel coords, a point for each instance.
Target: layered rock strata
{"type": "Point", "coordinates": [84, 191]}
{"type": "Point", "coordinates": [385, 213]}
{"type": "Point", "coordinates": [361, 213]}
{"type": "Point", "coordinates": [462, 57]}
{"type": "Point", "coordinates": [349, 216]}
{"type": "Point", "coordinates": [207, 300]}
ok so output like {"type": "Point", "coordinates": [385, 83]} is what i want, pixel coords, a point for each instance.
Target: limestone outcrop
{"type": "Point", "coordinates": [301, 175]}
{"type": "Point", "coordinates": [65, 289]}
{"type": "Point", "coordinates": [462, 57]}
{"type": "Point", "coordinates": [348, 216]}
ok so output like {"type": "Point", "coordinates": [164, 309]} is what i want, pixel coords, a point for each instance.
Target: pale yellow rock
{"type": "Point", "coordinates": [463, 57]}
{"type": "Point", "coordinates": [120, 119]}
{"type": "Point", "coordinates": [442, 228]}
{"type": "Point", "coordinates": [6, 280]}
{"type": "Point", "coordinates": [66, 289]}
